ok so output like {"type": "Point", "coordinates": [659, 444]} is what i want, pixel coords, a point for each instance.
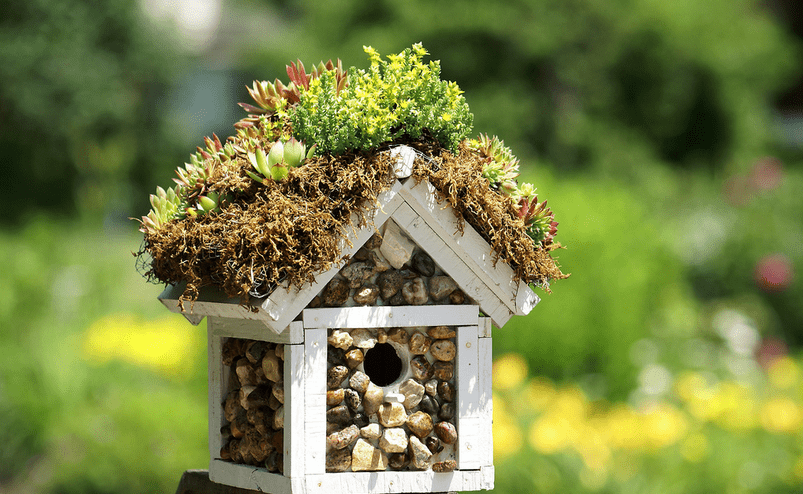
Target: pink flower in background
{"type": "Point", "coordinates": [773, 273]}
{"type": "Point", "coordinates": [767, 174]}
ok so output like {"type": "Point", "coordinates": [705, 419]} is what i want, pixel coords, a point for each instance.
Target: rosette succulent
{"type": "Point", "coordinates": [282, 156]}
{"type": "Point", "coordinates": [538, 219]}
{"type": "Point", "coordinates": [501, 167]}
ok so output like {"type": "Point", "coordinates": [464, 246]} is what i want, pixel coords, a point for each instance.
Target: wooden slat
{"type": "Point", "coordinates": [390, 482]}
{"type": "Point", "coordinates": [485, 400]}
{"type": "Point", "coordinates": [526, 299]}
{"type": "Point", "coordinates": [211, 302]}
{"type": "Point", "coordinates": [485, 327]}
{"type": "Point", "coordinates": [315, 401]}
{"type": "Point", "coordinates": [390, 316]}
{"type": "Point", "coordinates": [255, 330]}
{"type": "Point", "coordinates": [248, 477]}
{"type": "Point", "coordinates": [217, 377]}
{"type": "Point", "coordinates": [469, 443]}
{"type": "Point", "coordinates": [294, 418]}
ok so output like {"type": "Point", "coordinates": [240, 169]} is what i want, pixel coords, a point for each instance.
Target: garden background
{"type": "Point", "coordinates": [666, 136]}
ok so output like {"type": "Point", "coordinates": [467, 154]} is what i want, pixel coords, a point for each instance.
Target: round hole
{"type": "Point", "coordinates": [382, 364]}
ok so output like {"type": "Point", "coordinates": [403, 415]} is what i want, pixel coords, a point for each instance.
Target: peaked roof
{"type": "Point", "coordinates": [414, 207]}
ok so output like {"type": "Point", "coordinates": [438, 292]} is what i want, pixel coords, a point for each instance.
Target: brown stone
{"type": "Point", "coordinates": [441, 287]}
{"type": "Point", "coordinates": [381, 336]}
{"type": "Point", "coordinates": [255, 349]}
{"type": "Point", "coordinates": [415, 292]}
{"type": "Point", "coordinates": [233, 349]}
{"type": "Point", "coordinates": [446, 391]}
{"type": "Point", "coordinates": [430, 405]}
{"type": "Point", "coordinates": [278, 391]}
{"type": "Point", "coordinates": [419, 343]}
{"type": "Point", "coordinates": [392, 415]}
{"type": "Point", "coordinates": [339, 415]}
{"type": "Point", "coordinates": [443, 370]}
{"type": "Point", "coordinates": [446, 432]}
{"type": "Point", "coordinates": [421, 368]}
{"type": "Point", "coordinates": [343, 438]}
{"type": "Point", "coordinates": [423, 264]}
{"type": "Point", "coordinates": [366, 295]}
{"type": "Point", "coordinates": [419, 453]}
{"type": "Point", "coordinates": [420, 424]}
{"type": "Point", "coordinates": [443, 350]}
{"type": "Point", "coordinates": [354, 357]}
{"type": "Point", "coordinates": [338, 460]}
{"type": "Point", "coordinates": [336, 293]}
{"type": "Point", "coordinates": [441, 332]}
{"type": "Point", "coordinates": [390, 283]}
{"type": "Point", "coordinates": [399, 461]}
{"type": "Point", "coordinates": [444, 466]}
{"type": "Point", "coordinates": [399, 335]}
{"type": "Point", "coordinates": [352, 399]}
{"type": "Point", "coordinates": [365, 457]}
{"type": "Point", "coordinates": [356, 273]}
{"type": "Point", "coordinates": [245, 372]}
{"type": "Point", "coordinates": [359, 382]}
{"type": "Point", "coordinates": [433, 444]}
{"type": "Point", "coordinates": [336, 375]}
{"type": "Point", "coordinates": [457, 297]}
{"type": "Point", "coordinates": [272, 366]}
{"type": "Point", "coordinates": [335, 396]}
{"type": "Point", "coordinates": [447, 411]}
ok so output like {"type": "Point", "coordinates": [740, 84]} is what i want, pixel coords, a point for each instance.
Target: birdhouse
{"type": "Point", "coordinates": [374, 378]}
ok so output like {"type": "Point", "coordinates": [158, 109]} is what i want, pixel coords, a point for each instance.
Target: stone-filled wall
{"type": "Point", "coordinates": [254, 405]}
{"type": "Point", "coordinates": [406, 424]}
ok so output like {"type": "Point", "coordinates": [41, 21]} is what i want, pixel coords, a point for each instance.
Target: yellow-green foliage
{"type": "Point", "coordinates": [393, 98]}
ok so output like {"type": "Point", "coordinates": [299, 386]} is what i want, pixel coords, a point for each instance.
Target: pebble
{"type": "Point", "coordinates": [446, 391]}
{"type": "Point", "coordinates": [352, 399]}
{"type": "Point", "coordinates": [335, 356]}
{"type": "Point", "coordinates": [255, 350]}
{"type": "Point", "coordinates": [423, 264]}
{"type": "Point", "coordinates": [362, 255]}
{"type": "Point", "coordinates": [354, 357]}
{"type": "Point", "coordinates": [372, 399]}
{"type": "Point", "coordinates": [336, 293]}
{"type": "Point", "coordinates": [335, 376]}
{"type": "Point", "coordinates": [413, 393]}
{"type": "Point", "coordinates": [360, 420]}
{"type": "Point", "coordinates": [394, 398]}
{"type": "Point", "coordinates": [245, 372]}
{"type": "Point", "coordinates": [419, 344]}
{"type": "Point", "coordinates": [381, 336]}
{"type": "Point", "coordinates": [343, 438]}
{"type": "Point", "coordinates": [359, 382]}
{"type": "Point", "coordinates": [278, 418]}
{"type": "Point", "coordinates": [447, 412]}
{"type": "Point", "coordinates": [444, 466]}
{"type": "Point", "coordinates": [429, 405]}
{"type": "Point", "coordinates": [389, 282]}
{"type": "Point", "coordinates": [443, 350]}
{"type": "Point", "coordinates": [396, 300]}
{"type": "Point", "coordinates": [457, 297]}
{"type": "Point", "coordinates": [335, 397]}
{"type": "Point", "coordinates": [399, 335]}
{"type": "Point", "coordinates": [339, 415]}
{"type": "Point", "coordinates": [398, 461]}
{"type": "Point", "coordinates": [446, 432]}
{"type": "Point", "coordinates": [340, 339]}
{"type": "Point", "coordinates": [441, 332]}
{"type": "Point", "coordinates": [443, 370]}
{"type": "Point", "coordinates": [434, 444]}
{"type": "Point", "coordinates": [392, 415]}
{"type": "Point", "coordinates": [431, 387]}
{"type": "Point", "coordinates": [356, 273]}
{"type": "Point", "coordinates": [363, 338]}
{"type": "Point", "coordinates": [278, 391]}
{"type": "Point", "coordinates": [338, 461]}
{"type": "Point", "coordinates": [419, 453]}
{"type": "Point", "coordinates": [315, 302]}
{"type": "Point", "coordinates": [396, 247]}
{"type": "Point", "coordinates": [374, 242]}
{"type": "Point", "coordinates": [366, 295]}
{"type": "Point", "coordinates": [441, 287]}
{"type": "Point", "coordinates": [420, 368]}
{"type": "Point", "coordinates": [371, 432]}
{"type": "Point", "coordinates": [420, 424]}
{"type": "Point", "coordinates": [365, 457]}
{"type": "Point", "coordinates": [415, 292]}
{"type": "Point", "coordinates": [394, 440]}
{"type": "Point", "coordinates": [380, 263]}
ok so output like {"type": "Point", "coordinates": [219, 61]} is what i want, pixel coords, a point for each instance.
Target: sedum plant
{"type": "Point", "coordinates": [538, 219]}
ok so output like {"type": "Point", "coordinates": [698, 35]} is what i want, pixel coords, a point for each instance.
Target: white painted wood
{"type": "Point", "coordinates": [473, 286]}
{"type": "Point", "coordinates": [255, 330]}
{"type": "Point", "coordinates": [217, 380]}
{"type": "Point", "coordinates": [391, 482]}
{"type": "Point", "coordinates": [470, 246]}
{"type": "Point", "coordinates": [526, 299]}
{"type": "Point", "coordinates": [285, 304]}
{"type": "Point", "coordinates": [405, 158]}
{"type": "Point", "coordinates": [391, 316]}
{"type": "Point", "coordinates": [468, 394]}
{"type": "Point", "coordinates": [485, 399]}
{"type": "Point", "coordinates": [249, 477]}
{"type": "Point", "coordinates": [485, 327]}
{"type": "Point", "coordinates": [211, 302]}
{"type": "Point", "coordinates": [294, 395]}
{"type": "Point", "coordinates": [487, 477]}
{"type": "Point", "coordinates": [315, 401]}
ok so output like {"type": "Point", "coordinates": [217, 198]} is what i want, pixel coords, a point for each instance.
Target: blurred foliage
{"type": "Point", "coordinates": [668, 362]}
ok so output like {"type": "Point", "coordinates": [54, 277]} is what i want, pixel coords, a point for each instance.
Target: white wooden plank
{"type": "Point", "coordinates": [210, 302]}
{"type": "Point", "coordinates": [249, 477]}
{"type": "Point", "coordinates": [391, 316]}
{"type": "Point", "coordinates": [470, 246]}
{"type": "Point", "coordinates": [473, 286]}
{"type": "Point", "coordinates": [255, 330]}
{"type": "Point", "coordinates": [500, 315]}
{"type": "Point", "coordinates": [468, 394]}
{"type": "Point", "coordinates": [486, 437]}
{"type": "Point", "coordinates": [315, 401]}
{"type": "Point", "coordinates": [294, 395]}
{"type": "Point", "coordinates": [284, 305]}
{"type": "Point", "coordinates": [526, 299]}
{"type": "Point", "coordinates": [487, 478]}
{"type": "Point", "coordinates": [217, 379]}
{"type": "Point", "coordinates": [485, 327]}
{"type": "Point", "coordinates": [405, 159]}
{"type": "Point", "coordinates": [390, 482]}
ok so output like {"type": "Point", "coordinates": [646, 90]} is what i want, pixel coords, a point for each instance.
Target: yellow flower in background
{"type": "Point", "coordinates": [538, 394]}
{"type": "Point", "coordinates": [509, 371]}
{"type": "Point", "coordinates": [783, 373]}
{"type": "Point", "coordinates": [623, 428]}
{"type": "Point", "coordinates": [695, 448]}
{"type": "Point", "coordinates": [507, 435]}
{"type": "Point", "coordinates": [781, 415]}
{"type": "Point", "coordinates": [664, 425]}
{"type": "Point", "coordinates": [164, 345]}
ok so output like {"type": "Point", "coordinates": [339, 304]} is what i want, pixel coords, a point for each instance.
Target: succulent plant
{"type": "Point", "coordinates": [165, 205]}
{"type": "Point", "coordinates": [282, 156]}
{"type": "Point", "coordinates": [501, 167]}
{"type": "Point", "coordinates": [538, 218]}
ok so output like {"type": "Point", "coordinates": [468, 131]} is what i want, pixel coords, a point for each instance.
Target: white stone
{"type": "Point", "coordinates": [413, 393]}
{"type": "Point", "coordinates": [393, 440]}
{"type": "Point", "coordinates": [340, 339]}
{"type": "Point", "coordinates": [366, 457]}
{"type": "Point", "coordinates": [371, 432]}
{"type": "Point", "coordinates": [362, 338]}
{"type": "Point", "coordinates": [394, 398]}
{"type": "Point", "coordinates": [396, 247]}
{"type": "Point", "coordinates": [405, 157]}
{"type": "Point", "coordinates": [420, 454]}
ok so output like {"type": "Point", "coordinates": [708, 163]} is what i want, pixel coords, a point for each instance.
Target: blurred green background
{"type": "Point", "coordinates": [667, 137]}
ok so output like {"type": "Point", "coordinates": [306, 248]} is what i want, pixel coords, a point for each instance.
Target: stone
{"type": "Point", "coordinates": [336, 293]}
{"type": "Point", "coordinates": [359, 381]}
{"type": "Point", "coordinates": [371, 432]}
{"type": "Point", "coordinates": [413, 392]}
{"type": "Point", "coordinates": [419, 453]}
{"type": "Point", "coordinates": [354, 357]}
{"type": "Point", "coordinates": [255, 349]}
{"type": "Point", "coordinates": [380, 263]}
{"type": "Point", "coordinates": [279, 351]}
{"type": "Point", "coordinates": [335, 356]}
{"type": "Point", "coordinates": [392, 415]}
{"type": "Point", "coordinates": [443, 350]}
{"type": "Point", "coordinates": [415, 292]}
{"type": "Point", "coordinates": [278, 418]}
{"type": "Point", "coordinates": [357, 273]}
{"type": "Point", "coordinates": [443, 370]}
{"type": "Point", "coordinates": [363, 254]}
{"type": "Point", "coordinates": [441, 332]}
{"type": "Point", "coordinates": [343, 438]}
{"type": "Point", "coordinates": [372, 399]}
{"type": "Point", "coordinates": [245, 372]}
{"type": "Point", "coordinates": [374, 242]}
{"type": "Point", "coordinates": [360, 420]}
{"type": "Point", "coordinates": [363, 338]}
{"type": "Point", "coordinates": [273, 403]}
{"type": "Point", "coordinates": [338, 460]}
{"type": "Point", "coordinates": [339, 415]}
{"type": "Point", "coordinates": [446, 432]}
{"type": "Point", "coordinates": [315, 302]}
{"type": "Point", "coordinates": [447, 411]}
{"type": "Point", "coordinates": [457, 297]}
{"type": "Point", "coordinates": [420, 424]}
{"type": "Point", "coordinates": [394, 398]}
{"type": "Point", "coordinates": [335, 376]}
{"type": "Point", "coordinates": [389, 283]}
{"type": "Point", "coordinates": [381, 336]}
{"type": "Point", "coordinates": [441, 287]}
{"type": "Point", "coordinates": [394, 440]}
{"type": "Point", "coordinates": [421, 368]}
{"type": "Point", "coordinates": [366, 294]}
{"type": "Point", "coordinates": [396, 300]}
{"type": "Point", "coordinates": [430, 405]}
{"type": "Point", "coordinates": [398, 461]}
{"type": "Point", "coordinates": [433, 444]}
{"type": "Point", "coordinates": [444, 466]}
{"type": "Point", "coordinates": [340, 339]}
{"type": "Point", "coordinates": [446, 391]}
{"type": "Point", "coordinates": [278, 391]}
{"type": "Point", "coordinates": [272, 366]}
{"type": "Point", "coordinates": [423, 264]}
{"type": "Point", "coordinates": [396, 247]}
{"type": "Point", "coordinates": [399, 335]}
{"type": "Point", "coordinates": [331, 428]}
{"type": "Point", "coordinates": [431, 387]}
{"type": "Point", "coordinates": [335, 397]}
{"type": "Point", "coordinates": [352, 399]}
{"type": "Point", "coordinates": [365, 457]}
{"type": "Point", "coordinates": [419, 343]}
